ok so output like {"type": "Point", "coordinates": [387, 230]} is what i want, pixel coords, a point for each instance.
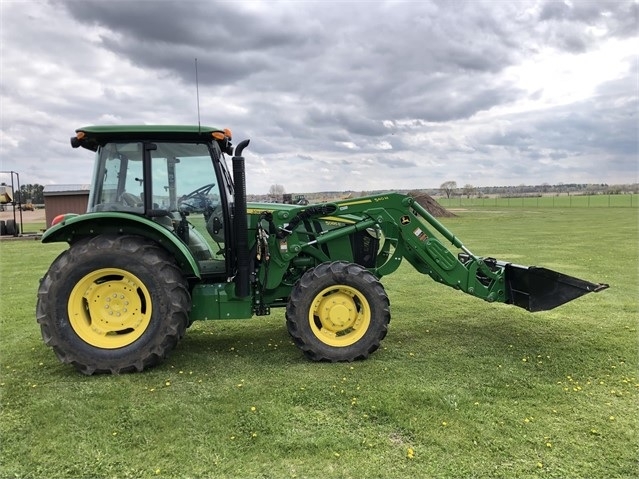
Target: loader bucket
{"type": "Point", "coordinates": [541, 289]}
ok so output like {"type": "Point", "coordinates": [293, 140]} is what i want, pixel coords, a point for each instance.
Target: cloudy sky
{"type": "Point", "coordinates": [358, 95]}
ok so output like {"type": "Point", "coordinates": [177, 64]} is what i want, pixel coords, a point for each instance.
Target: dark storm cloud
{"type": "Point", "coordinates": [169, 35]}
{"type": "Point", "coordinates": [375, 64]}
{"type": "Point", "coordinates": [346, 119]}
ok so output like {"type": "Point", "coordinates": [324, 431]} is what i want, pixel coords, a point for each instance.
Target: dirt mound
{"type": "Point", "coordinates": [430, 204]}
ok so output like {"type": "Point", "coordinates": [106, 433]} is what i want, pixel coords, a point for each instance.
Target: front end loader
{"type": "Point", "coordinates": [169, 239]}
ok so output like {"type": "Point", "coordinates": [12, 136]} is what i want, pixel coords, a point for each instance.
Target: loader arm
{"type": "Point", "coordinates": [408, 231]}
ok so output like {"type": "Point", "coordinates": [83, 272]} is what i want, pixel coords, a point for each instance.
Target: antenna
{"type": "Point", "coordinates": [197, 92]}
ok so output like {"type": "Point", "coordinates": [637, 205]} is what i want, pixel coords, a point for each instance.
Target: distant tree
{"type": "Point", "coordinates": [469, 190]}
{"type": "Point", "coordinates": [448, 187]}
{"type": "Point", "coordinates": [276, 190]}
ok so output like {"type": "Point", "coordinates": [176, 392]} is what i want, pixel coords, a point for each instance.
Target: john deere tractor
{"type": "Point", "coordinates": [169, 239]}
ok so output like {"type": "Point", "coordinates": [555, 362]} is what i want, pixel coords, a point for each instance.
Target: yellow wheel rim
{"type": "Point", "coordinates": [109, 308]}
{"type": "Point", "coordinates": [339, 316]}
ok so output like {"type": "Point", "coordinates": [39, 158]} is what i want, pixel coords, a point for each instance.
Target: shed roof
{"type": "Point", "coordinates": [54, 190]}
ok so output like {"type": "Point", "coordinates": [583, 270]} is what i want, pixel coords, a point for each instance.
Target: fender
{"type": "Point", "coordinates": [75, 227]}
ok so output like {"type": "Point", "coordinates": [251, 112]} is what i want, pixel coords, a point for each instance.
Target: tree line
{"type": "Point", "coordinates": [450, 189]}
{"type": "Point", "coordinates": [34, 192]}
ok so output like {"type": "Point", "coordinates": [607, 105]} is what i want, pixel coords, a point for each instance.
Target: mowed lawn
{"type": "Point", "coordinates": [460, 387]}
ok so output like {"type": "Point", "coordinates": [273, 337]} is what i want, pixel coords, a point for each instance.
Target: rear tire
{"type": "Point", "coordinates": [338, 311]}
{"type": "Point", "coordinates": [11, 228]}
{"type": "Point", "coordinates": [113, 304]}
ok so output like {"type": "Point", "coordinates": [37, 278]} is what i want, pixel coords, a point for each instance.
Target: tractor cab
{"type": "Point", "coordinates": [178, 181]}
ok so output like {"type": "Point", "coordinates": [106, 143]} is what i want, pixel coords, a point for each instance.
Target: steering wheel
{"type": "Point", "coordinates": [197, 200]}
{"type": "Point", "coordinates": [129, 199]}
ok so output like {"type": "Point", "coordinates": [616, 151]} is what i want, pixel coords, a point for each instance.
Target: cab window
{"type": "Point", "coordinates": [184, 193]}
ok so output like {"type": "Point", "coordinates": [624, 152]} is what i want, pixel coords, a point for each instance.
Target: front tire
{"type": "Point", "coordinates": [113, 304]}
{"type": "Point", "coordinates": [338, 311]}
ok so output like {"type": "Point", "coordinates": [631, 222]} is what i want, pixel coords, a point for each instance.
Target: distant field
{"type": "Point", "coordinates": [564, 201]}
{"type": "Point", "coordinates": [460, 387]}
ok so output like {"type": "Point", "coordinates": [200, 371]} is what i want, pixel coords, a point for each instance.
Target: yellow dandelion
{"type": "Point", "coordinates": [253, 408]}
{"type": "Point", "coordinates": [410, 453]}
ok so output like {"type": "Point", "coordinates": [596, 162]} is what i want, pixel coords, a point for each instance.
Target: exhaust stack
{"type": "Point", "coordinates": [240, 223]}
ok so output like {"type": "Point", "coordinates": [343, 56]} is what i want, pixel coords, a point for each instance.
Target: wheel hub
{"type": "Point", "coordinates": [109, 308]}
{"type": "Point", "coordinates": [337, 311]}
{"type": "Point", "coordinates": [114, 307]}
{"type": "Point", "coordinates": [339, 316]}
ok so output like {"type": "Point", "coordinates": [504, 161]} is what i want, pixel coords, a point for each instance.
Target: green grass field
{"type": "Point", "coordinates": [549, 201]}
{"type": "Point", "coordinates": [460, 387]}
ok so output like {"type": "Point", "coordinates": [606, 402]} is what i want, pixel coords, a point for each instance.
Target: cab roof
{"type": "Point", "coordinates": [91, 137]}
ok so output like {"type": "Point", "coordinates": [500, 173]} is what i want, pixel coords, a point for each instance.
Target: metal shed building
{"type": "Point", "coordinates": [60, 199]}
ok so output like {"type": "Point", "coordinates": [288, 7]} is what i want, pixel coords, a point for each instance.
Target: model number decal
{"type": "Point", "coordinates": [420, 234]}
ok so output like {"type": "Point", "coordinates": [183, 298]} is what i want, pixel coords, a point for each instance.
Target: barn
{"type": "Point", "coordinates": [60, 199]}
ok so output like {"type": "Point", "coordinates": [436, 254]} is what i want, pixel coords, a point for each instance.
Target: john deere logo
{"type": "Point", "coordinates": [404, 220]}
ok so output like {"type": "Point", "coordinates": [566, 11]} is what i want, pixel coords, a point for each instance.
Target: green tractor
{"type": "Point", "coordinates": [169, 239]}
